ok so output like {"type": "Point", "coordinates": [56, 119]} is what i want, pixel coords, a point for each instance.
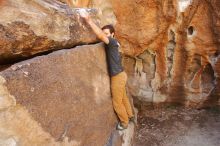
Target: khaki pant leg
{"type": "Point", "coordinates": [125, 99]}
{"type": "Point", "coordinates": [117, 89]}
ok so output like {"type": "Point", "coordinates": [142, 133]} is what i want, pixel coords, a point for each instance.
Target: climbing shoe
{"type": "Point", "coordinates": [120, 126]}
{"type": "Point", "coordinates": [132, 120]}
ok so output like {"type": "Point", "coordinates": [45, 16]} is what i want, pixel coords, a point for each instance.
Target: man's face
{"type": "Point", "coordinates": [107, 33]}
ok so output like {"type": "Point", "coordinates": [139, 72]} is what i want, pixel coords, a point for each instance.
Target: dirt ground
{"type": "Point", "coordinates": [177, 126]}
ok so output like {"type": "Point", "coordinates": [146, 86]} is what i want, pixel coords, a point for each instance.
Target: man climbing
{"type": "Point", "coordinates": [118, 77]}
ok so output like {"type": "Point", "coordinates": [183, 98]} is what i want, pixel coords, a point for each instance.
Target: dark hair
{"type": "Point", "coordinates": [110, 27]}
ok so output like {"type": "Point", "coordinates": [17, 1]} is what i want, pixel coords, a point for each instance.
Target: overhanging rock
{"type": "Point", "coordinates": [31, 27]}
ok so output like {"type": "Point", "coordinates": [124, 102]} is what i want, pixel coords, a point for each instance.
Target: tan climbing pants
{"type": "Point", "coordinates": [120, 100]}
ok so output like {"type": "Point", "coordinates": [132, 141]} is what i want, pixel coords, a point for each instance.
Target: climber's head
{"type": "Point", "coordinates": [108, 30]}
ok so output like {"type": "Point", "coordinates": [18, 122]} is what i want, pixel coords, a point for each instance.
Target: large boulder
{"type": "Point", "coordinates": [58, 99]}
{"type": "Point", "coordinates": [37, 26]}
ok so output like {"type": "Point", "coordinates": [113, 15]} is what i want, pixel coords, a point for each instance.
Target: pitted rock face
{"type": "Point", "coordinates": [182, 38]}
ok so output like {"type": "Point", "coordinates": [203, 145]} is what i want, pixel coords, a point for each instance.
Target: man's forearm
{"type": "Point", "coordinates": [99, 33]}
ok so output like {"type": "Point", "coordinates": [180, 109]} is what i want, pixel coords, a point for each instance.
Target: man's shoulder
{"type": "Point", "coordinates": [113, 41]}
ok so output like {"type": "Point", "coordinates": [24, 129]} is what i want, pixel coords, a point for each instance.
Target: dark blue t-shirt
{"type": "Point", "coordinates": [113, 57]}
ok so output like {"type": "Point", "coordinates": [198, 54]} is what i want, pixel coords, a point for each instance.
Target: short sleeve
{"type": "Point", "coordinates": [113, 42]}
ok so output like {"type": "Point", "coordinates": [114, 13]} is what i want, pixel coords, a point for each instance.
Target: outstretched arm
{"type": "Point", "coordinates": [99, 33]}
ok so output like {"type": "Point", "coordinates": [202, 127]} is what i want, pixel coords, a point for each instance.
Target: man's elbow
{"type": "Point", "coordinates": [104, 39]}
{"type": "Point", "coordinates": [100, 36]}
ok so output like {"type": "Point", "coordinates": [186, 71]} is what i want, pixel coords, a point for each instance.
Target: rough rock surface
{"type": "Point", "coordinates": [36, 26]}
{"type": "Point", "coordinates": [58, 99]}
